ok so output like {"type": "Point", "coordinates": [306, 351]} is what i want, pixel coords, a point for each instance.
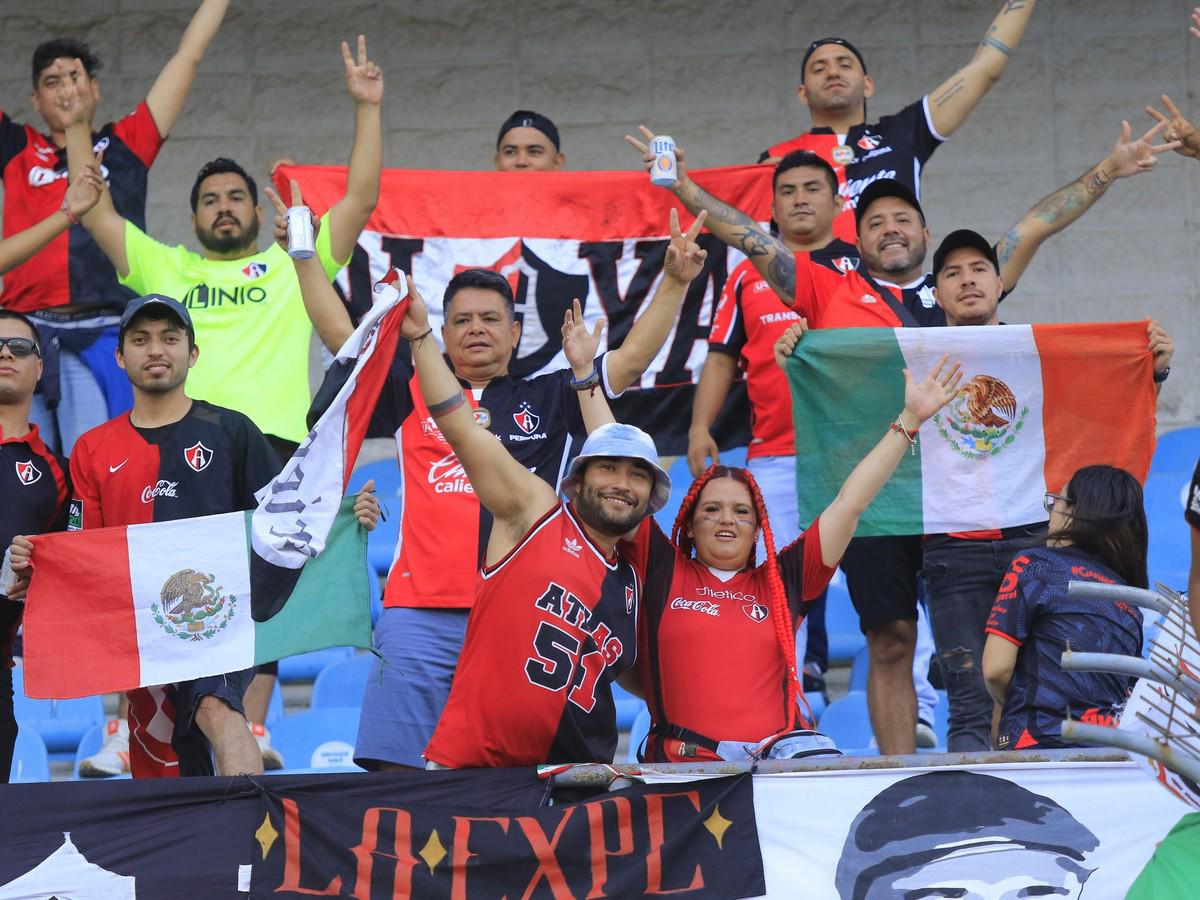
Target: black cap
{"type": "Point", "coordinates": [831, 40]}
{"type": "Point", "coordinates": [964, 237]}
{"type": "Point", "coordinates": [167, 304]}
{"type": "Point", "coordinates": [524, 118]}
{"type": "Point", "coordinates": [885, 187]}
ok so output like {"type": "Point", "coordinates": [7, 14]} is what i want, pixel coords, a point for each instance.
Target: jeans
{"type": "Point", "coordinates": [961, 580]}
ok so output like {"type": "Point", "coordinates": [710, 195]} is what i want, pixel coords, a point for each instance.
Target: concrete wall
{"type": "Point", "coordinates": [720, 78]}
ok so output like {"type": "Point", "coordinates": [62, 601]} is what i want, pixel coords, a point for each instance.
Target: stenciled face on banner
{"type": "Point", "coordinates": [967, 835]}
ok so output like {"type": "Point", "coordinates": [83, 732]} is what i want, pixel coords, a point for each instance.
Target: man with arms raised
{"type": "Point", "coordinates": [70, 288]}
{"type": "Point", "coordinates": [835, 88]}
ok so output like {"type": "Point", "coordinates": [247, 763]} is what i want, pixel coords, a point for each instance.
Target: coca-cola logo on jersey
{"type": "Point", "coordinates": [164, 488]}
{"type": "Point", "coordinates": [448, 476]}
{"type": "Point", "coordinates": [701, 606]}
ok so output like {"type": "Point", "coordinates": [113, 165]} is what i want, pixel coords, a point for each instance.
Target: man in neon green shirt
{"type": "Point", "coordinates": [246, 305]}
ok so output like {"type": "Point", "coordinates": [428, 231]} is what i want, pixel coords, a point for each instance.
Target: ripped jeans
{"type": "Point", "coordinates": [961, 580]}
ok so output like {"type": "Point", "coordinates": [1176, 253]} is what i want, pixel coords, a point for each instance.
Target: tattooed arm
{"type": "Point", "coordinates": [953, 100]}
{"type": "Point", "coordinates": [1055, 212]}
{"type": "Point", "coordinates": [774, 261]}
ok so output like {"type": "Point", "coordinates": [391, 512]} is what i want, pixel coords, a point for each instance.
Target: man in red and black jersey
{"type": "Point", "coordinates": [444, 530]}
{"type": "Point", "coordinates": [835, 87]}
{"type": "Point", "coordinates": [171, 458]}
{"type": "Point", "coordinates": [33, 490]}
{"type": "Point", "coordinates": [555, 617]}
{"type": "Point", "coordinates": [70, 287]}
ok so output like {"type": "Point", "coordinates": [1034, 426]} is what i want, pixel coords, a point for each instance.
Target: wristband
{"type": "Point", "coordinates": [910, 436]}
{"type": "Point", "coordinates": [587, 383]}
{"type": "Point", "coordinates": [447, 406]}
{"type": "Point", "coordinates": [66, 211]}
{"type": "Point", "coordinates": [421, 336]}
{"type": "Point", "coordinates": [1160, 377]}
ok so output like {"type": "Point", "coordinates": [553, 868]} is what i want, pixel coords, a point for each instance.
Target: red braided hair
{"type": "Point", "coordinates": [781, 616]}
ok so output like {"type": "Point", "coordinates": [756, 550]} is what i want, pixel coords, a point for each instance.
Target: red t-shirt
{"type": "Point", "coordinates": [829, 298]}
{"type": "Point", "coordinates": [709, 657]}
{"type": "Point", "coordinates": [72, 268]}
{"type": "Point", "coordinates": [554, 623]}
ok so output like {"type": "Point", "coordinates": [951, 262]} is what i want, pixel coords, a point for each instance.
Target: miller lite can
{"type": "Point", "coordinates": [663, 171]}
{"type": "Point", "coordinates": [300, 233]}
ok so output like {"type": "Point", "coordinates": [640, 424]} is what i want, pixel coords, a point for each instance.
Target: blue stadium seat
{"type": "Point", "coordinates": [841, 622]}
{"type": "Point", "coordinates": [343, 683]}
{"type": "Point", "coordinates": [637, 734]}
{"type": "Point", "coordinates": [818, 704]}
{"type": "Point", "coordinates": [859, 669]}
{"type": "Point", "coordinates": [376, 597]}
{"type": "Point", "coordinates": [319, 740]}
{"type": "Point", "coordinates": [1176, 452]}
{"type": "Point", "coordinates": [1165, 496]}
{"type": "Point", "coordinates": [381, 543]}
{"type": "Point", "coordinates": [30, 762]}
{"type": "Point", "coordinates": [847, 722]}
{"type": "Point", "coordinates": [59, 723]}
{"type": "Point", "coordinates": [629, 707]}
{"type": "Point", "coordinates": [90, 743]}
{"type": "Point", "coordinates": [274, 706]}
{"type": "Point", "coordinates": [307, 666]}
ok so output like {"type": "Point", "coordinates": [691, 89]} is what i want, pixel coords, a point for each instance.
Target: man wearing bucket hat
{"type": "Point", "coordinates": [555, 616]}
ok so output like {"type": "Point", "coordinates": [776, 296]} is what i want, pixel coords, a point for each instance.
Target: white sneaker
{"type": "Point", "coordinates": [113, 757]}
{"type": "Point", "coordinates": [272, 759]}
{"type": "Point", "coordinates": [925, 736]}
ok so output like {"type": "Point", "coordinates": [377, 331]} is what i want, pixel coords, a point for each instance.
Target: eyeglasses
{"type": "Point", "coordinates": [1051, 497]}
{"type": "Point", "coordinates": [20, 347]}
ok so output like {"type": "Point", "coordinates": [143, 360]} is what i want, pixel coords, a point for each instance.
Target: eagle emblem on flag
{"type": "Point", "coordinates": [192, 609]}
{"type": "Point", "coordinates": [983, 418]}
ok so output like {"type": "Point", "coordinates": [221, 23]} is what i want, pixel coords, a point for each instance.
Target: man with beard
{"type": "Point", "coordinates": [555, 617]}
{"type": "Point", "coordinates": [247, 307]}
{"type": "Point", "coordinates": [835, 87]}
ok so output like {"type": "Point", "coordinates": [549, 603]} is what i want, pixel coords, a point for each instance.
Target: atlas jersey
{"type": "Point", "coordinates": [845, 296]}
{"type": "Point", "coordinates": [709, 659]}
{"type": "Point", "coordinates": [1192, 512]}
{"type": "Point", "coordinates": [1034, 611]}
{"type": "Point", "coordinates": [210, 461]}
{"type": "Point", "coordinates": [72, 268]}
{"type": "Point", "coordinates": [443, 528]}
{"type": "Point", "coordinates": [33, 500]}
{"type": "Point", "coordinates": [554, 624]}
{"type": "Point", "coordinates": [896, 146]}
{"type": "Point", "coordinates": [750, 317]}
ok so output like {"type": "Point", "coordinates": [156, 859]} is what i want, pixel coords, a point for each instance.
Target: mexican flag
{"type": "Point", "coordinates": [1036, 402]}
{"type": "Point", "coordinates": [111, 609]}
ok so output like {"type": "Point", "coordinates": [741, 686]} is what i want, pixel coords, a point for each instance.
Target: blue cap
{"type": "Point", "coordinates": [615, 440]}
{"type": "Point", "coordinates": [167, 304]}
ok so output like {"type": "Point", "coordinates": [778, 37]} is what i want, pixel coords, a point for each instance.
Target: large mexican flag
{"type": "Point", "coordinates": [1036, 403]}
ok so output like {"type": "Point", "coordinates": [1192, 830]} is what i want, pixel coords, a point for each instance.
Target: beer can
{"type": "Point", "coordinates": [663, 171]}
{"type": "Point", "coordinates": [300, 233]}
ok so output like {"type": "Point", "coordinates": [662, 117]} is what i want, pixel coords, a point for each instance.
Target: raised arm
{"type": "Point", "coordinates": [325, 309]}
{"type": "Point", "coordinates": [1056, 211]}
{"type": "Point", "coordinates": [515, 496]}
{"type": "Point", "coordinates": [82, 195]}
{"type": "Point", "coordinates": [683, 262]}
{"type": "Point", "coordinates": [774, 261]}
{"type": "Point", "coordinates": [954, 99]}
{"type": "Point", "coordinates": [170, 90]}
{"type": "Point", "coordinates": [364, 83]}
{"type": "Point", "coordinates": [580, 346]}
{"type": "Point", "coordinates": [103, 222]}
{"type": "Point", "coordinates": [716, 378]}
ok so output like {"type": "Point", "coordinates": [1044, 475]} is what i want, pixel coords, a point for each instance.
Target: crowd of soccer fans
{"type": "Point", "coordinates": [514, 603]}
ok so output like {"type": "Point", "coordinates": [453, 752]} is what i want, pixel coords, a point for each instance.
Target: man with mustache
{"type": "Point", "coordinates": [835, 87]}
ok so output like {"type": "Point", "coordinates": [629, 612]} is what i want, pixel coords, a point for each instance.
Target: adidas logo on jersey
{"type": "Point", "coordinates": [572, 546]}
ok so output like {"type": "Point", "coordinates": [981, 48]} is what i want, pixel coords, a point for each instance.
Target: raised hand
{"type": "Point", "coordinates": [685, 259]}
{"type": "Point", "coordinates": [579, 344]}
{"type": "Point", "coordinates": [1178, 128]}
{"type": "Point", "coordinates": [281, 208]}
{"type": "Point", "coordinates": [1162, 348]}
{"type": "Point", "coordinates": [84, 192]}
{"type": "Point", "coordinates": [366, 506]}
{"type": "Point", "coordinates": [74, 94]}
{"type": "Point", "coordinates": [924, 398]}
{"type": "Point", "coordinates": [364, 79]}
{"type": "Point", "coordinates": [786, 343]}
{"type": "Point", "coordinates": [648, 157]}
{"type": "Point", "coordinates": [416, 319]}
{"type": "Point", "coordinates": [1195, 26]}
{"type": "Point", "coordinates": [1128, 157]}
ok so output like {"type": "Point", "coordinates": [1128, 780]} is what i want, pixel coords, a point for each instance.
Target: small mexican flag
{"type": "Point", "coordinates": [1036, 402]}
{"type": "Point", "coordinates": [171, 601]}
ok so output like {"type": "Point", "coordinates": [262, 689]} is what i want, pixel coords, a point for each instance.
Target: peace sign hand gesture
{"type": "Point", "coordinates": [685, 259]}
{"type": "Point", "coordinates": [1178, 128]}
{"type": "Point", "coordinates": [364, 79]}
{"type": "Point", "coordinates": [1129, 157]}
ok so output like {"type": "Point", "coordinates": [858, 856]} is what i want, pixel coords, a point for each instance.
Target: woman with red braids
{"type": "Point", "coordinates": [717, 660]}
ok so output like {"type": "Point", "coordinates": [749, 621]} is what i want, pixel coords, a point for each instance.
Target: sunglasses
{"type": "Point", "coordinates": [20, 347]}
{"type": "Point", "coordinates": [1051, 497]}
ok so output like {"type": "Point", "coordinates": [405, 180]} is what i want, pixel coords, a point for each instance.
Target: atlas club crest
{"type": "Point", "coordinates": [191, 608]}
{"type": "Point", "coordinates": [526, 419]}
{"type": "Point", "coordinates": [27, 472]}
{"type": "Point", "coordinates": [755, 610]}
{"type": "Point", "coordinates": [197, 457]}
{"type": "Point", "coordinates": [982, 419]}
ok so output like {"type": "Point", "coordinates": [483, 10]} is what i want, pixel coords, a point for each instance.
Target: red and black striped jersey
{"type": "Point", "coordinates": [72, 268]}
{"type": "Point", "coordinates": [554, 623]}
{"type": "Point", "coordinates": [897, 146]}
{"type": "Point", "coordinates": [211, 461]}
{"type": "Point", "coordinates": [33, 500]}
{"type": "Point", "coordinates": [709, 658]}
